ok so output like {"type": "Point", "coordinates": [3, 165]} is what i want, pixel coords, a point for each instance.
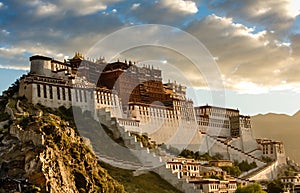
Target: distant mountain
{"type": "Point", "coordinates": [280, 127]}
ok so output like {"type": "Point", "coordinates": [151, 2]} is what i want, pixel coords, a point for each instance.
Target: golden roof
{"type": "Point", "coordinates": [78, 56]}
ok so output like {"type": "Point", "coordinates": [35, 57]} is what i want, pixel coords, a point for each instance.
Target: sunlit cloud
{"type": "Point", "coordinates": [293, 7]}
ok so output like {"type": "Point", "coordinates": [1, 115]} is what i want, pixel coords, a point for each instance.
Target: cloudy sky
{"type": "Point", "coordinates": [255, 44]}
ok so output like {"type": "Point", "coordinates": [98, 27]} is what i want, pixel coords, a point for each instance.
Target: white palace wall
{"type": "Point", "coordinates": [215, 131]}
{"type": "Point", "coordinates": [164, 125]}
{"type": "Point", "coordinates": [54, 96]}
{"type": "Point", "coordinates": [248, 141]}
{"type": "Point", "coordinates": [108, 102]}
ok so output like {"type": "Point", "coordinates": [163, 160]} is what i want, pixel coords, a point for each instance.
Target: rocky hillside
{"type": "Point", "coordinates": [41, 152]}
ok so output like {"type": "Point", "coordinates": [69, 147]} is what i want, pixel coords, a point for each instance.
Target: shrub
{"type": "Point", "coordinates": [245, 166]}
{"type": "Point", "coordinates": [232, 170]}
{"type": "Point", "coordinates": [24, 122]}
{"type": "Point", "coordinates": [252, 188]}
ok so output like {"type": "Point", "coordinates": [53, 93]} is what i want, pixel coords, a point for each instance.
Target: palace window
{"type": "Point", "coordinates": [58, 93]}
{"type": "Point", "coordinates": [45, 91]}
{"type": "Point", "coordinates": [76, 95]}
{"type": "Point", "coordinates": [51, 92]}
{"type": "Point", "coordinates": [39, 90]}
{"type": "Point", "coordinates": [80, 95]}
{"type": "Point", "coordinates": [84, 93]}
{"type": "Point", "coordinates": [64, 93]}
{"type": "Point", "coordinates": [69, 94]}
{"type": "Point", "coordinates": [271, 149]}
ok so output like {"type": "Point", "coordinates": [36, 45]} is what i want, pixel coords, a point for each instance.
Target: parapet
{"type": "Point", "coordinates": [39, 57]}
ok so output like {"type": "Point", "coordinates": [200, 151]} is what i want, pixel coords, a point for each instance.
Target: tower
{"type": "Point", "coordinates": [40, 65]}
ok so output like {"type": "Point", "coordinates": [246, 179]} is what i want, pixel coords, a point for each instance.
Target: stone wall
{"type": "Point", "coordinates": [267, 173]}
{"type": "Point", "coordinates": [249, 142]}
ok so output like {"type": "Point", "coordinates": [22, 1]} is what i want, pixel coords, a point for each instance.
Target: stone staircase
{"type": "Point", "coordinates": [235, 149]}
{"type": "Point", "coordinates": [293, 164]}
{"type": "Point", "coordinates": [149, 159]}
{"type": "Point", "coordinates": [268, 172]}
{"type": "Point", "coordinates": [253, 151]}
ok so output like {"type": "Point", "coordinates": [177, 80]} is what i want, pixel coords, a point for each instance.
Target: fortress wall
{"type": "Point", "coordinates": [164, 125]}
{"type": "Point", "coordinates": [184, 135]}
{"type": "Point", "coordinates": [236, 142]}
{"type": "Point", "coordinates": [257, 153]}
{"type": "Point", "coordinates": [26, 90]}
{"type": "Point", "coordinates": [249, 143]}
{"type": "Point", "coordinates": [268, 173]}
{"type": "Point", "coordinates": [83, 98]}
{"type": "Point", "coordinates": [196, 142]}
{"type": "Point", "coordinates": [54, 96]}
{"type": "Point", "coordinates": [53, 102]}
{"type": "Point", "coordinates": [41, 66]}
{"type": "Point", "coordinates": [161, 130]}
{"type": "Point", "coordinates": [239, 156]}
{"type": "Point", "coordinates": [211, 146]}
{"type": "Point", "coordinates": [130, 125]}
{"type": "Point", "coordinates": [214, 147]}
{"type": "Point", "coordinates": [281, 158]}
{"type": "Point", "coordinates": [216, 131]}
{"type": "Point", "coordinates": [108, 101]}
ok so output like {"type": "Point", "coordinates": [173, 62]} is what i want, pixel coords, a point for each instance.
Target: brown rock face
{"type": "Point", "coordinates": [45, 154]}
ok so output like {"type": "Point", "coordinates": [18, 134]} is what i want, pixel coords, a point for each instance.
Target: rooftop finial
{"type": "Point", "coordinates": [78, 56]}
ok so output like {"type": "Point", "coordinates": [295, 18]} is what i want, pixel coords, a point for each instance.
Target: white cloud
{"type": "Point", "coordinates": [169, 12]}
{"type": "Point", "coordinates": [47, 9]}
{"type": "Point", "coordinates": [1, 4]}
{"type": "Point", "coordinates": [76, 7]}
{"type": "Point", "coordinates": [276, 15]}
{"type": "Point", "coordinates": [5, 32]}
{"type": "Point", "coordinates": [250, 88]}
{"type": "Point", "coordinates": [135, 6]}
{"type": "Point", "coordinates": [11, 51]}
{"type": "Point", "coordinates": [244, 55]}
{"type": "Point", "coordinates": [293, 7]}
{"type": "Point", "coordinates": [180, 5]}
{"type": "Point", "coordinates": [90, 9]}
{"type": "Point", "coordinates": [14, 67]}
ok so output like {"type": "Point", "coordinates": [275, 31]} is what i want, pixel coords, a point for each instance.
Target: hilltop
{"type": "Point", "coordinates": [42, 151]}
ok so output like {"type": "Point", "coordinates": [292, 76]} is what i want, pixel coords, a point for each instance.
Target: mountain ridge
{"type": "Point", "coordinates": [280, 127]}
{"type": "Point", "coordinates": [273, 113]}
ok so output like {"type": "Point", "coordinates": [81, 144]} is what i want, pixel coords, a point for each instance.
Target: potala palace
{"type": "Point", "coordinates": [137, 99]}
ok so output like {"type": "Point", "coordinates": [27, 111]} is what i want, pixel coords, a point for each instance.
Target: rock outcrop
{"type": "Point", "coordinates": [40, 152]}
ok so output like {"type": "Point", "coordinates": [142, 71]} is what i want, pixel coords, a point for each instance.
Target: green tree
{"type": "Point", "coordinates": [245, 166]}
{"type": "Point", "coordinates": [232, 170]}
{"type": "Point", "coordinates": [252, 188]}
{"type": "Point", "coordinates": [275, 187]}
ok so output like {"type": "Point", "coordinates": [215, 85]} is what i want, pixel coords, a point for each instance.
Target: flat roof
{"type": "Point", "coordinates": [214, 107]}
{"type": "Point", "coordinates": [39, 57]}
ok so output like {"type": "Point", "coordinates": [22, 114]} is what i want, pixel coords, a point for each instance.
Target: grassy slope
{"type": "Point", "coordinates": [145, 183]}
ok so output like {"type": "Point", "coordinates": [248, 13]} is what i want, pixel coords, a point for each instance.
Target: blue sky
{"type": "Point", "coordinates": [255, 43]}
